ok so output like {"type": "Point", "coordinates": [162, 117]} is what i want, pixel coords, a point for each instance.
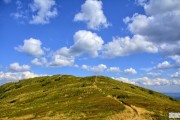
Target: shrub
{"type": "Point", "coordinates": [116, 87]}
{"type": "Point", "coordinates": [172, 99]}
{"type": "Point", "coordinates": [132, 87]}
{"type": "Point", "coordinates": [150, 92]}
{"type": "Point", "coordinates": [45, 83]}
{"type": "Point", "coordinates": [18, 86]}
{"type": "Point", "coordinates": [122, 96]}
{"type": "Point", "coordinates": [12, 101]}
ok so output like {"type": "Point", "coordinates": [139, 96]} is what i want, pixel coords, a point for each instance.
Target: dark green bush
{"type": "Point", "coordinates": [150, 92]}
{"type": "Point", "coordinates": [116, 87]}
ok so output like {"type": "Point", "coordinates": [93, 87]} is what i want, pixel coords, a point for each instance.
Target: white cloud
{"type": "Point", "coordinates": [39, 61]}
{"type": "Point", "coordinates": [92, 13]}
{"type": "Point", "coordinates": [170, 48]}
{"type": "Point", "coordinates": [126, 46]}
{"type": "Point", "coordinates": [176, 82]}
{"type": "Point", "coordinates": [176, 75]}
{"type": "Point", "coordinates": [176, 58]}
{"type": "Point", "coordinates": [160, 24]}
{"type": "Point", "coordinates": [97, 69]}
{"type": "Point", "coordinates": [145, 81]}
{"type": "Point", "coordinates": [113, 69]}
{"type": "Point", "coordinates": [43, 11]}
{"type": "Point", "coordinates": [31, 47]}
{"type": "Point", "coordinates": [130, 71]}
{"type": "Point", "coordinates": [155, 7]}
{"type": "Point", "coordinates": [152, 74]}
{"type": "Point", "coordinates": [14, 76]}
{"type": "Point", "coordinates": [86, 42]}
{"type": "Point", "coordinates": [61, 57]}
{"type": "Point", "coordinates": [126, 80]}
{"type": "Point", "coordinates": [15, 67]}
{"type": "Point", "coordinates": [164, 65]}
{"type": "Point", "coordinates": [61, 60]}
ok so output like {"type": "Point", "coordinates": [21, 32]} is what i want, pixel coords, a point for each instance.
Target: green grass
{"type": "Point", "coordinates": [77, 98]}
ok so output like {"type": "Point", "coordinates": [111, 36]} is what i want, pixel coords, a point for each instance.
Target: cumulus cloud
{"type": "Point", "coordinates": [14, 76]}
{"type": "Point", "coordinates": [130, 71]}
{"type": "Point", "coordinates": [97, 69]}
{"type": "Point", "coordinates": [176, 58]}
{"type": "Point", "coordinates": [164, 65]}
{"type": "Point", "coordinates": [126, 80]}
{"type": "Point", "coordinates": [176, 75]}
{"type": "Point", "coordinates": [92, 13]}
{"type": "Point", "coordinates": [59, 60]}
{"type": "Point", "coordinates": [126, 46]}
{"type": "Point", "coordinates": [114, 69]}
{"type": "Point", "coordinates": [145, 81]}
{"type": "Point", "coordinates": [15, 67]}
{"type": "Point", "coordinates": [43, 11]}
{"type": "Point", "coordinates": [31, 47]}
{"type": "Point", "coordinates": [39, 61]}
{"type": "Point", "coordinates": [155, 7]}
{"type": "Point", "coordinates": [86, 42]}
{"type": "Point", "coordinates": [153, 74]}
{"type": "Point", "coordinates": [160, 24]}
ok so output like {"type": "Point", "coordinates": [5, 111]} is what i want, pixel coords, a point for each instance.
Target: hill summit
{"type": "Point", "coordinates": [66, 97]}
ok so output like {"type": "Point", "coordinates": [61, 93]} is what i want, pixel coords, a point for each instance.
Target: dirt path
{"type": "Point", "coordinates": [130, 112]}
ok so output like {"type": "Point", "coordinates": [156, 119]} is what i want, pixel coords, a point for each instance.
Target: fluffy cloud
{"type": "Point", "coordinates": [92, 13]}
{"type": "Point", "coordinates": [126, 80]}
{"type": "Point", "coordinates": [31, 47]}
{"type": "Point", "coordinates": [126, 46]}
{"type": "Point", "coordinates": [155, 7]}
{"type": "Point", "coordinates": [44, 9]}
{"type": "Point", "coordinates": [14, 76]}
{"type": "Point", "coordinates": [160, 24]}
{"type": "Point", "coordinates": [15, 67]}
{"type": "Point", "coordinates": [130, 71]}
{"type": "Point", "coordinates": [86, 42]}
{"type": "Point", "coordinates": [113, 69]}
{"type": "Point", "coordinates": [152, 74]}
{"type": "Point", "coordinates": [176, 75]}
{"type": "Point", "coordinates": [39, 61]}
{"type": "Point", "coordinates": [97, 69]}
{"type": "Point", "coordinates": [145, 81]}
{"type": "Point", "coordinates": [176, 58]}
{"type": "Point", "coordinates": [59, 60]}
{"type": "Point", "coordinates": [164, 65]}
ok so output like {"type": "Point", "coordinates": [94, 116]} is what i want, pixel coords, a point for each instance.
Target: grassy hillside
{"type": "Point", "coordinates": [69, 97]}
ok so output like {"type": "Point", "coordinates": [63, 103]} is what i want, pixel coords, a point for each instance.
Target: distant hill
{"type": "Point", "coordinates": [65, 97]}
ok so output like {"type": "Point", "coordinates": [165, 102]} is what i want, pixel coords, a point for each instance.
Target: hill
{"type": "Point", "coordinates": [68, 97]}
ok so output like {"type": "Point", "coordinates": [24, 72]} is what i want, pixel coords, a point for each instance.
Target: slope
{"type": "Point", "coordinates": [69, 97]}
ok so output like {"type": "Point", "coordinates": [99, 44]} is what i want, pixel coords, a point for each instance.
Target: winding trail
{"type": "Point", "coordinates": [130, 112]}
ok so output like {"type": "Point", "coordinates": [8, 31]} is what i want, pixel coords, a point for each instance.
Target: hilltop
{"type": "Point", "coordinates": [69, 97]}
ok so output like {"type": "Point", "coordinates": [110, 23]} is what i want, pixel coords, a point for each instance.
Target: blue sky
{"type": "Point", "coordinates": [135, 41]}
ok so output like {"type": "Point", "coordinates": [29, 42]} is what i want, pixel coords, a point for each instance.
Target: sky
{"type": "Point", "coordinates": [134, 41]}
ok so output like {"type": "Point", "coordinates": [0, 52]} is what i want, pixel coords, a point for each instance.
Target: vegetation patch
{"type": "Point", "coordinates": [71, 97]}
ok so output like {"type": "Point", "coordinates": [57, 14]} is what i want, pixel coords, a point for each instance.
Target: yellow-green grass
{"type": "Point", "coordinates": [70, 97]}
